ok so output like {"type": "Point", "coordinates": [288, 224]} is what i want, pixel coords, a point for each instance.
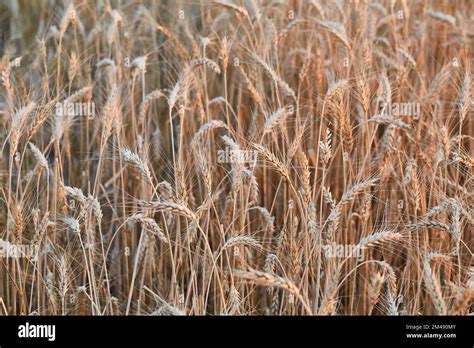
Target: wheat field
{"type": "Point", "coordinates": [249, 157]}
